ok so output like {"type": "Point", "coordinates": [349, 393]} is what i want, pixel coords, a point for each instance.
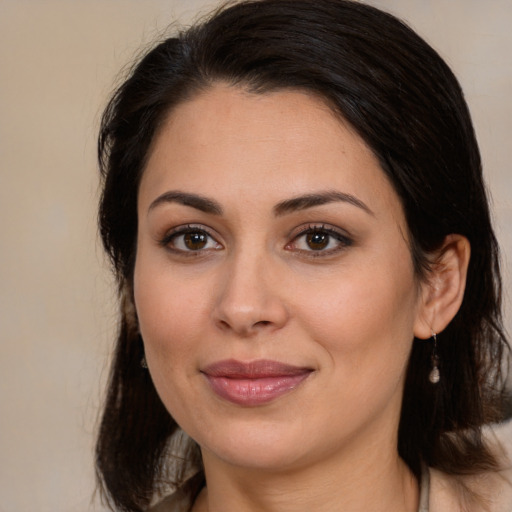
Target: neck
{"type": "Point", "coordinates": [377, 480]}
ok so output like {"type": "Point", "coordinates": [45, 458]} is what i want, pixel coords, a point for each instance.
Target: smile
{"type": "Point", "coordinates": [255, 383]}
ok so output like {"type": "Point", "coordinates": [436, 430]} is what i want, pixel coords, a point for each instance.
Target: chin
{"type": "Point", "coordinates": [263, 447]}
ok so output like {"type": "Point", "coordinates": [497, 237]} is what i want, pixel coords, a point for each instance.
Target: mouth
{"type": "Point", "coordinates": [254, 383]}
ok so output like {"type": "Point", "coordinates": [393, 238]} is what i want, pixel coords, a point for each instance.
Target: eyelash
{"type": "Point", "coordinates": [343, 241]}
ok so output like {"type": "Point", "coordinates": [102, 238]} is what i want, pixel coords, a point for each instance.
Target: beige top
{"type": "Point", "coordinates": [490, 492]}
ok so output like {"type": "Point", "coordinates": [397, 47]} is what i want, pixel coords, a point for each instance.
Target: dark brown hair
{"type": "Point", "coordinates": [406, 104]}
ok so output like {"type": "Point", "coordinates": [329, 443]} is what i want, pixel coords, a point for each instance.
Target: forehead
{"type": "Point", "coordinates": [277, 144]}
{"type": "Point", "coordinates": [295, 116]}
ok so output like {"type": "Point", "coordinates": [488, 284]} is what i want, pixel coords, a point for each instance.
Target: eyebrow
{"type": "Point", "coordinates": [318, 199]}
{"type": "Point", "coordinates": [196, 201]}
{"type": "Point", "coordinates": [294, 204]}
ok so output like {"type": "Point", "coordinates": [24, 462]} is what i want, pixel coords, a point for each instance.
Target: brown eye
{"type": "Point", "coordinates": [195, 241]}
{"type": "Point", "coordinates": [317, 240]}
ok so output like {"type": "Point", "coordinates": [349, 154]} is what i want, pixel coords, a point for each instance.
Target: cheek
{"type": "Point", "coordinates": [364, 318]}
{"type": "Point", "coordinates": [171, 312]}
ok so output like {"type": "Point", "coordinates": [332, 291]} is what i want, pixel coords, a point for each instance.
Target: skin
{"type": "Point", "coordinates": [259, 289]}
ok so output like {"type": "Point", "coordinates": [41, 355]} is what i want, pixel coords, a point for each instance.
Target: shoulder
{"type": "Point", "coordinates": [176, 502]}
{"type": "Point", "coordinates": [182, 498]}
{"type": "Point", "coordinates": [486, 492]}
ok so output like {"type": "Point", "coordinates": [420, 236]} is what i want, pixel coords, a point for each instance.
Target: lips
{"type": "Point", "coordinates": [254, 383]}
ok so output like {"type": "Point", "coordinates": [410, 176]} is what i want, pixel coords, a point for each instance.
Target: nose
{"type": "Point", "coordinates": [250, 298]}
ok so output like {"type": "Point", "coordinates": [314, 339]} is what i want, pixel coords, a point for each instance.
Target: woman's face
{"type": "Point", "coordinates": [273, 283]}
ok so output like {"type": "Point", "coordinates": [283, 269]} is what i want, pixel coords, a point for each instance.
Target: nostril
{"type": "Point", "coordinates": [224, 324]}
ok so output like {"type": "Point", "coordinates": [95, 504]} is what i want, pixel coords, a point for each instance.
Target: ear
{"type": "Point", "coordinates": [442, 290]}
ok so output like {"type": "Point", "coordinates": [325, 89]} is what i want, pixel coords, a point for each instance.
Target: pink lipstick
{"type": "Point", "coordinates": [254, 383]}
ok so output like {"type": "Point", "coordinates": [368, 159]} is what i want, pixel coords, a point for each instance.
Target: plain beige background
{"type": "Point", "coordinates": [59, 60]}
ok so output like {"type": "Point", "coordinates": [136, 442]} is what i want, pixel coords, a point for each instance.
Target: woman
{"type": "Point", "coordinates": [294, 207]}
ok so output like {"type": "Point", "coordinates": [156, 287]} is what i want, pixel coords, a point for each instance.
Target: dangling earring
{"type": "Point", "coordinates": [434, 376]}
{"type": "Point", "coordinates": [143, 362]}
